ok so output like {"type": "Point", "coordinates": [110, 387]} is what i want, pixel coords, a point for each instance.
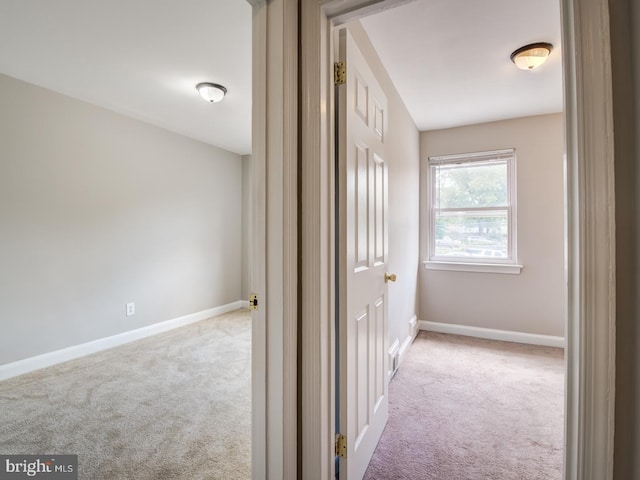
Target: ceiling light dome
{"type": "Point", "coordinates": [211, 92]}
{"type": "Point", "coordinates": [531, 56]}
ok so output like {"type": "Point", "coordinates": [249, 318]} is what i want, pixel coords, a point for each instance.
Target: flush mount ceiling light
{"type": "Point", "coordinates": [531, 56]}
{"type": "Point", "coordinates": [211, 92]}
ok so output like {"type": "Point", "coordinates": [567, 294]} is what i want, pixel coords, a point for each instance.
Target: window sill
{"type": "Point", "coordinates": [510, 268]}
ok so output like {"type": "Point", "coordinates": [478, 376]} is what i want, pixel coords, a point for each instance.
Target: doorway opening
{"type": "Point", "coordinates": [476, 303]}
{"type": "Point", "coordinates": [584, 386]}
{"type": "Point", "coordinates": [125, 200]}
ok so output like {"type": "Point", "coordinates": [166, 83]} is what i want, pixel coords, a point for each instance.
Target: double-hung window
{"type": "Point", "coordinates": [472, 209]}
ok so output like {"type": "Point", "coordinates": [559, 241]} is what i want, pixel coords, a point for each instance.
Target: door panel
{"type": "Point", "coordinates": [379, 209]}
{"type": "Point", "coordinates": [362, 249]}
{"type": "Point", "coordinates": [362, 208]}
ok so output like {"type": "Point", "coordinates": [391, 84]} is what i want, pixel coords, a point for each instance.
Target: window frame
{"type": "Point", "coordinates": [481, 264]}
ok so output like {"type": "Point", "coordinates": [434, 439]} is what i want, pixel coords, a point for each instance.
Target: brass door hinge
{"type": "Point", "coordinates": [341, 446]}
{"type": "Point", "coordinates": [253, 301]}
{"type": "Point", "coordinates": [339, 73]}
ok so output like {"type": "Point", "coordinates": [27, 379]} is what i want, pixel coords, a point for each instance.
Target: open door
{"type": "Point", "coordinates": [362, 249]}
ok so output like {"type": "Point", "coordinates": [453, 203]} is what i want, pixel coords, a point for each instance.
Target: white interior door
{"type": "Point", "coordinates": [362, 295]}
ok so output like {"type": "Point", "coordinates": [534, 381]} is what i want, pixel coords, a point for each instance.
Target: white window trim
{"type": "Point", "coordinates": [485, 265]}
{"type": "Point", "coordinates": [509, 268]}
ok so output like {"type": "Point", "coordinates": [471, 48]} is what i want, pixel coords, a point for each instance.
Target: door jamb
{"type": "Point", "coordinates": [590, 236]}
{"type": "Point", "coordinates": [257, 254]}
{"type": "Point", "coordinates": [274, 234]}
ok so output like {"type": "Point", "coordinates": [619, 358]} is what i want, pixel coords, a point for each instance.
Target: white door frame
{"type": "Point", "coordinates": [274, 238]}
{"type": "Point", "coordinates": [590, 236]}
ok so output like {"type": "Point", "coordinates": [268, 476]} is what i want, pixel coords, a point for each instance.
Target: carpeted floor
{"type": "Point", "coordinates": [470, 409]}
{"type": "Point", "coordinates": [170, 407]}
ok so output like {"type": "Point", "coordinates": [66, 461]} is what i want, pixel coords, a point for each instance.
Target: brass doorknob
{"type": "Point", "coordinates": [389, 276]}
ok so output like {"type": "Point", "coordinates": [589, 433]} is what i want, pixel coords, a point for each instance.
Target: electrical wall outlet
{"type": "Point", "coordinates": [131, 309]}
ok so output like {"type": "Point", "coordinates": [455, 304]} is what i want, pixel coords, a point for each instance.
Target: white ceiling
{"type": "Point", "coordinates": [450, 59]}
{"type": "Point", "coordinates": [141, 58]}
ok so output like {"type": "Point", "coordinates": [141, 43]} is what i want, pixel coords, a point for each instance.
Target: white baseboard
{"type": "Point", "coordinates": [413, 327]}
{"type": "Point", "coordinates": [413, 331]}
{"type": "Point", "coordinates": [52, 358]}
{"type": "Point", "coordinates": [401, 350]}
{"type": "Point", "coordinates": [393, 351]}
{"type": "Point", "coordinates": [245, 303]}
{"type": "Point", "coordinates": [491, 334]}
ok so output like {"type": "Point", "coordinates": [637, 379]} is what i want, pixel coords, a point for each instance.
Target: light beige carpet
{"type": "Point", "coordinates": [470, 409]}
{"type": "Point", "coordinates": [173, 406]}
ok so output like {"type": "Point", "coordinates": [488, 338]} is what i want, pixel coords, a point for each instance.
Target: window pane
{"type": "Point", "coordinates": [476, 235]}
{"type": "Point", "coordinates": [481, 184]}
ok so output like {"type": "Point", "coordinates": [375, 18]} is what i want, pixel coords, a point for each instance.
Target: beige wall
{"type": "Point", "coordinates": [534, 301]}
{"type": "Point", "coordinates": [402, 152]}
{"type": "Point", "coordinates": [97, 210]}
